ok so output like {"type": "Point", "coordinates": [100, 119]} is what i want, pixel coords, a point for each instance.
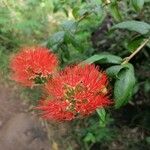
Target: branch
{"type": "Point", "coordinates": [84, 16]}
{"type": "Point", "coordinates": [127, 59]}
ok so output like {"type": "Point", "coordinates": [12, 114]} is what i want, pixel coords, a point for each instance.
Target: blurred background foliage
{"type": "Point", "coordinates": [78, 30]}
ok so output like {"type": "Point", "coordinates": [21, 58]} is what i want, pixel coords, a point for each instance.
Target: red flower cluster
{"type": "Point", "coordinates": [73, 93]}
{"type": "Point", "coordinates": [33, 65]}
{"type": "Point", "coordinates": [76, 92]}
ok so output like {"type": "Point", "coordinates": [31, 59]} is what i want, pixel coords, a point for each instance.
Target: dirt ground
{"type": "Point", "coordinates": [19, 128]}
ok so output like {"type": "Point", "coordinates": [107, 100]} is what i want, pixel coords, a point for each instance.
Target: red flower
{"type": "Point", "coordinates": [33, 65]}
{"type": "Point", "coordinates": [55, 109]}
{"type": "Point", "coordinates": [78, 91]}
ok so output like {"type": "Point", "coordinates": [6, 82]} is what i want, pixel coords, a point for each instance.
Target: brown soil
{"type": "Point", "coordinates": [19, 129]}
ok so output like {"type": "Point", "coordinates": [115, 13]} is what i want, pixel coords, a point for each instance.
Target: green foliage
{"type": "Point", "coordinates": [56, 40]}
{"type": "Point", "coordinates": [103, 58]}
{"type": "Point", "coordinates": [124, 83]}
{"type": "Point", "coordinates": [137, 4]}
{"type": "Point", "coordinates": [124, 86]}
{"type": "Point", "coordinates": [98, 130]}
{"type": "Point", "coordinates": [67, 41]}
{"type": "Point", "coordinates": [137, 26]}
{"type": "Point", "coordinates": [134, 43]}
{"type": "Point", "coordinates": [4, 63]}
{"type": "Point", "coordinates": [26, 20]}
{"type": "Point", "coordinates": [114, 70]}
{"type": "Point", "coordinates": [103, 116]}
{"type": "Point", "coordinates": [115, 11]}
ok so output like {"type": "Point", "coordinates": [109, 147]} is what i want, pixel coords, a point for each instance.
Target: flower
{"type": "Point", "coordinates": [76, 92]}
{"type": "Point", "coordinates": [33, 65]}
{"type": "Point", "coordinates": [55, 109]}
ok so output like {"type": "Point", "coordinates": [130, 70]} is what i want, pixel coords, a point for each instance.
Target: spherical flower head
{"type": "Point", "coordinates": [82, 88]}
{"type": "Point", "coordinates": [33, 65]}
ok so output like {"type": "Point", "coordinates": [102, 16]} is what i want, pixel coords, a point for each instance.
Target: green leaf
{"type": "Point", "coordinates": [137, 4]}
{"type": "Point", "coordinates": [71, 39]}
{"type": "Point", "coordinates": [69, 25]}
{"type": "Point", "coordinates": [89, 138]}
{"type": "Point", "coordinates": [114, 10]}
{"type": "Point", "coordinates": [137, 26]}
{"type": "Point", "coordinates": [75, 12]}
{"type": "Point", "coordinates": [104, 58]}
{"type": "Point", "coordinates": [56, 39]}
{"type": "Point", "coordinates": [124, 86]}
{"type": "Point", "coordinates": [96, 6]}
{"type": "Point", "coordinates": [102, 114]}
{"type": "Point", "coordinates": [135, 43]}
{"type": "Point", "coordinates": [114, 70]}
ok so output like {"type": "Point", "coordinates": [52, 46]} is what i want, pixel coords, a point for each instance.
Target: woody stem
{"type": "Point", "coordinates": [127, 59]}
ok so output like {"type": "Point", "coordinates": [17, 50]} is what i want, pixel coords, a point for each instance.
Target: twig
{"type": "Point", "coordinates": [84, 16]}
{"type": "Point", "coordinates": [127, 59]}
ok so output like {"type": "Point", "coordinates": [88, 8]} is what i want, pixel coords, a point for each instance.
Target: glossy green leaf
{"type": "Point", "coordinates": [114, 70]}
{"type": "Point", "coordinates": [103, 58]}
{"type": "Point", "coordinates": [124, 86]}
{"type": "Point", "coordinates": [137, 26]}
{"type": "Point", "coordinates": [137, 4]}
